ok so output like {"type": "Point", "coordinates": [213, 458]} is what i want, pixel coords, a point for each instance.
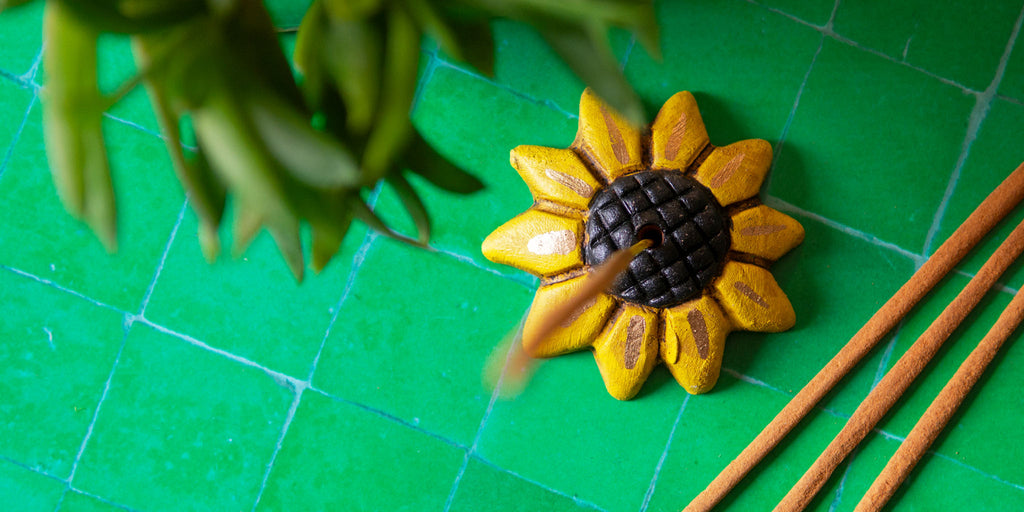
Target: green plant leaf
{"type": "Point", "coordinates": [286, 233]}
{"type": "Point", "coordinates": [308, 53]}
{"type": "Point", "coordinates": [73, 119]}
{"type": "Point", "coordinates": [587, 53]}
{"type": "Point", "coordinates": [367, 215]}
{"type": "Point", "coordinates": [309, 155]}
{"type": "Point", "coordinates": [392, 128]}
{"type": "Point", "coordinates": [134, 16]}
{"type": "Point", "coordinates": [352, 9]}
{"type": "Point", "coordinates": [422, 159]}
{"type": "Point", "coordinates": [10, 4]}
{"type": "Point", "coordinates": [413, 205]}
{"type": "Point", "coordinates": [433, 25]}
{"type": "Point", "coordinates": [328, 234]}
{"type": "Point", "coordinates": [354, 64]}
{"type": "Point", "coordinates": [476, 40]}
{"type": "Point", "coordinates": [246, 225]}
{"type": "Point", "coordinates": [253, 50]}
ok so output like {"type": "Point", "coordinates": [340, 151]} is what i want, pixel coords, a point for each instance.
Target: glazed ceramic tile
{"type": "Point", "coordinates": [341, 457]}
{"type": "Point", "coordinates": [182, 428]}
{"type": "Point", "coordinates": [744, 92]}
{"type": "Point", "coordinates": [484, 487]}
{"type": "Point", "coordinates": [56, 354]}
{"type": "Point", "coordinates": [41, 238]}
{"type": "Point", "coordinates": [862, 116]}
{"type": "Point", "coordinates": [815, 13]}
{"type": "Point", "coordinates": [994, 155]}
{"type": "Point", "coordinates": [28, 490]}
{"type": "Point", "coordinates": [20, 39]}
{"type": "Point", "coordinates": [261, 312]}
{"type": "Point", "coordinates": [77, 502]}
{"type": "Point", "coordinates": [14, 97]}
{"type": "Point", "coordinates": [940, 36]}
{"type": "Point", "coordinates": [1012, 84]}
{"type": "Point", "coordinates": [565, 432]}
{"type": "Point", "coordinates": [405, 345]}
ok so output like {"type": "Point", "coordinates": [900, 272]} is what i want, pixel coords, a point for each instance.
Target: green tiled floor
{"type": "Point", "coordinates": [149, 380]}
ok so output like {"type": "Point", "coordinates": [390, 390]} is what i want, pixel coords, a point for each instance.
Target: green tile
{"type": "Point", "coordinates": [116, 67]}
{"type": "Point", "coordinates": [526, 64]}
{"type": "Point", "coordinates": [44, 240]}
{"type": "Point", "coordinates": [714, 428]}
{"type": "Point", "coordinates": [937, 483]}
{"type": "Point", "coordinates": [21, 36]}
{"type": "Point", "coordinates": [182, 428]}
{"type": "Point", "coordinates": [835, 282]}
{"type": "Point", "coordinates": [994, 155]}
{"type": "Point", "coordinates": [27, 491]}
{"type": "Point", "coordinates": [1013, 79]}
{"type": "Point", "coordinates": [14, 104]}
{"type": "Point", "coordinates": [484, 487]}
{"type": "Point", "coordinates": [250, 306]}
{"type": "Point", "coordinates": [565, 424]}
{"type": "Point", "coordinates": [406, 345]}
{"type": "Point", "coordinates": [287, 13]}
{"type": "Point", "coordinates": [984, 433]}
{"type": "Point", "coordinates": [78, 502]}
{"type": "Point", "coordinates": [476, 124]}
{"type": "Point", "coordinates": [816, 12]}
{"type": "Point", "coordinates": [340, 457]}
{"type": "Point", "coordinates": [957, 40]}
{"type": "Point", "coordinates": [856, 145]}
{"type": "Point", "coordinates": [57, 353]}
{"type": "Point", "coordinates": [744, 91]}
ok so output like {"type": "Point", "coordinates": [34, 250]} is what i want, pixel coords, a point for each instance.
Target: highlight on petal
{"type": "Point", "coordinates": [735, 172]}
{"type": "Point", "coordinates": [578, 331]}
{"type": "Point", "coordinates": [556, 175]}
{"type": "Point", "coordinates": [538, 242]}
{"type": "Point", "coordinates": [627, 350]}
{"type": "Point", "coordinates": [694, 341]}
{"type": "Point", "coordinates": [752, 299]}
{"type": "Point", "coordinates": [606, 138]}
{"type": "Point", "coordinates": [678, 134]}
{"type": "Point", "coordinates": [765, 232]}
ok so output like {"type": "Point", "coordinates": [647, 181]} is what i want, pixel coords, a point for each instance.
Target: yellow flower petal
{"type": "Point", "coordinates": [752, 299]}
{"type": "Point", "coordinates": [695, 335]}
{"type": "Point", "coordinates": [538, 242]}
{"type": "Point", "coordinates": [735, 172]}
{"type": "Point", "coordinates": [627, 351]}
{"type": "Point", "coordinates": [678, 134]}
{"type": "Point", "coordinates": [765, 232]}
{"type": "Point", "coordinates": [556, 175]}
{"type": "Point", "coordinates": [606, 139]}
{"type": "Point", "coordinates": [578, 331]}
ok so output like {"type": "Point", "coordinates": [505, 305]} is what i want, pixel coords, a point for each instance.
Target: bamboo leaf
{"type": "Point", "coordinates": [73, 122]}
{"type": "Point", "coordinates": [587, 53]}
{"type": "Point", "coordinates": [422, 159]}
{"type": "Point", "coordinates": [246, 226]}
{"type": "Point", "coordinates": [365, 214]}
{"type": "Point", "coordinates": [354, 62]}
{"type": "Point", "coordinates": [209, 242]}
{"type": "Point", "coordinates": [392, 128]}
{"type": "Point", "coordinates": [308, 53]}
{"type": "Point", "coordinates": [328, 236]}
{"type": "Point", "coordinates": [413, 205]}
{"type": "Point", "coordinates": [307, 154]}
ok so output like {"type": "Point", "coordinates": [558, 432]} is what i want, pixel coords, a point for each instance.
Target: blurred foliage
{"type": "Point", "coordinates": [292, 152]}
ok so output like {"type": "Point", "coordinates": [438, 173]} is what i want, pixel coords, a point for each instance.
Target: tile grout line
{"type": "Point", "coordinates": [483, 423]}
{"type": "Point", "coordinates": [575, 499]}
{"type": "Point", "coordinates": [471, 262]}
{"type": "Point", "coordinates": [280, 442]}
{"type": "Point", "coordinates": [792, 114]}
{"type": "Point", "coordinates": [17, 135]}
{"type": "Point", "coordinates": [163, 259]}
{"type": "Point", "coordinates": [544, 103]}
{"type": "Point", "coordinates": [981, 107]}
{"type": "Point", "coordinates": [64, 289]}
{"type": "Point", "coordinates": [664, 454]}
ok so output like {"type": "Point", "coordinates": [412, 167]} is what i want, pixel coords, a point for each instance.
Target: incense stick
{"type": "Point", "coordinates": [992, 210]}
{"type": "Point", "coordinates": [942, 408]}
{"type": "Point", "coordinates": [898, 379]}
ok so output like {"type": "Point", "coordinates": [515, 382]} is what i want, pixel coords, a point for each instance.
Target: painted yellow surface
{"type": "Point", "coordinates": [556, 175]}
{"type": "Point", "coordinates": [627, 350]}
{"type": "Point", "coordinates": [629, 339]}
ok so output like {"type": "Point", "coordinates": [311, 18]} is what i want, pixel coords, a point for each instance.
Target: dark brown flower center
{"type": "Point", "coordinates": [688, 228]}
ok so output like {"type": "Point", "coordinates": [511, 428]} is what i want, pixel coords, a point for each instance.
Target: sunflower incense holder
{"type": "Point", "coordinates": [712, 241]}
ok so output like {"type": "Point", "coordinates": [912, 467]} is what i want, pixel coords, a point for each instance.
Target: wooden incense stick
{"type": "Point", "coordinates": [520, 365]}
{"type": "Point", "coordinates": [898, 379]}
{"type": "Point", "coordinates": [992, 210]}
{"type": "Point", "coordinates": [942, 409]}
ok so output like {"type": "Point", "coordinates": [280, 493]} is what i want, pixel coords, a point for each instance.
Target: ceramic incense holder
{"type": "Point", "coordinates": [706, 272]}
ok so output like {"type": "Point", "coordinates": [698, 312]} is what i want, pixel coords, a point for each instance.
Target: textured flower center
{"type": "Point", "coordinates": [688, 228]}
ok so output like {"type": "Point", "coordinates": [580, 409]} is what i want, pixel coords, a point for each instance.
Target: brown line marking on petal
{"type": "Point", "coordinates": [762, 230]}
{"type": "Point", "coordinates": [634, 338]}
{"type": "Point", "coordinates": [699, 328]}
{"type": "Point", "coordinates": [570, 182]}
{"type": "Point", "coordinates": [569, 320]}
{"type": "Point", "coordinates": [727, 171]}
{"type": "Point", "coordinates": [675, 139]}
{"type": "Point", "coordinates": [618, 143]}
{"type": "Point", "coordinates": [750, 293]}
